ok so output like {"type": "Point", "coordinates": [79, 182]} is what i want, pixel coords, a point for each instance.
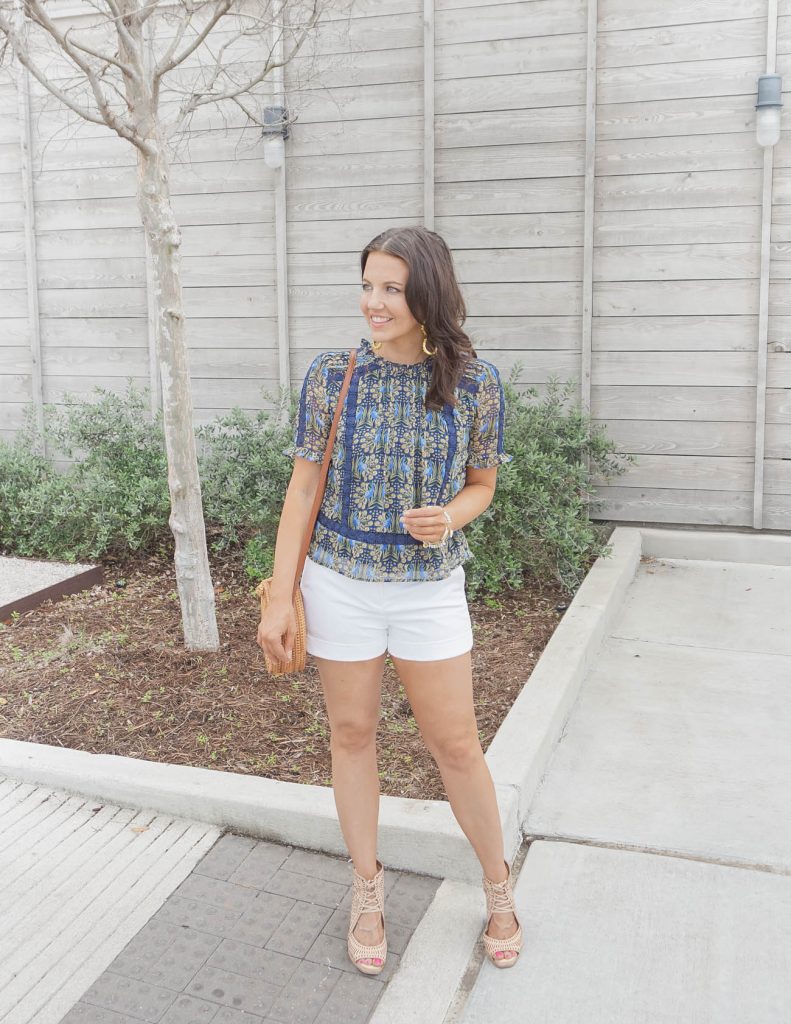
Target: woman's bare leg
{"type": "Point", "coordinates": [352, 693]}
{"type": "Point", "coordinates": [440, 693]}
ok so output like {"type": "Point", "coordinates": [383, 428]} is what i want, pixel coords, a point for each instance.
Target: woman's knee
{"type": "Point", "coordinates": [353, 736]}
{"type": "Point", "coordinates": [456, 751]}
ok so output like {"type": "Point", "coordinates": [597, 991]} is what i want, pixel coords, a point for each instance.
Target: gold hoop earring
{"type": "Point", "coordinates": [426, 349]}
{"type": "Point", "coordinates": [376, 345]}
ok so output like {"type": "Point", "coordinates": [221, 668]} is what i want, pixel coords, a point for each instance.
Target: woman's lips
{"type": "Point", "coordinates": [383, 323]}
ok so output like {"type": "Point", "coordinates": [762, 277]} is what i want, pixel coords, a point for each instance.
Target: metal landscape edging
{"type": "Point", "coordinates": [84, 577]}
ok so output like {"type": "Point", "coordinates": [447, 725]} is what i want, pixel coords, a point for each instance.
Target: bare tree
{"type": "Point", "coordinates": [112, 66]}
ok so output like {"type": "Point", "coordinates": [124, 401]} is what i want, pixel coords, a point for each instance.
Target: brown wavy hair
{"type": "Point", "coordinates": [435, 300]}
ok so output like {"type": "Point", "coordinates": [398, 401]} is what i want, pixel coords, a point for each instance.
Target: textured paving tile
{"type": "Point", "coordinates": [225, 856]}
{"type": "Point", "coordinates": [307, 887]}
{"type": "Point", "coordinates": [173, 966]}
{"type": "Point", "coordinates": [319, 865]}
{"type": "Point", "coordinates": [256, 934]}
{"type": "Point", "coordinates": [234, 990]}
{"type": "Point", "coordinates": [129, 995]}
{"type": "Point", "coordinates": [201, 916]}
{"type": "Point", "coordinates": [86, 1013]}
{"type": "Point", "coordinates": [264, 964]}
{"type": "Point", "coordinates": [351, 1001]}
{"type": "Point", "coordinates": [260, 864]}
{"type": "Point", "coordinates": [216, 893]}
{"type": "Point", "coordinates": [226, 1015]}
{"type": "Point", "coordinates": [299, 929]}
{"type": "Point", "coordinates": [306, 993]}
{"type": "Point", "coordinates": [409, 899]}
{"type": "Point", "coordinates": [189, 1010]}
{"type": "Point", "coordinates": [260, 921]}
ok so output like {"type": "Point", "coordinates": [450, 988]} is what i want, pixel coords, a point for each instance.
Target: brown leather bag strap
{"type": "Point", "coordinates": [325, 467]}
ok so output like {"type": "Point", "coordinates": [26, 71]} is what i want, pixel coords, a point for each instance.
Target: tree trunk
{"type": "Point", "coordinates": [193, 577]}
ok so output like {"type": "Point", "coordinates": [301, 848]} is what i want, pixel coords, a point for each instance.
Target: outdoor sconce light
{"type": "Point", "coordinates": [275, 131]}
{"type": "Point", "coordinates": [770, 102]}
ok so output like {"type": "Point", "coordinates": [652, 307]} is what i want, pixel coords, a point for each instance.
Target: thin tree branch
{"type": "Point", "coordinates": [119, 20]}
{"type": "Point", "coordinates": [36, 10]}
{"type": "Point", "coordinates": [201, 99]}
{"type": "Point", "coordinates": [144, 13]}
{"type": "Point", "coordinates": [104, 117]}
{"type": "Point", "coordinates": [109, 118]}
{"type": "Point", "coordinates": [125, 69]}
{"type": "Point", "coordinates": [157, 76]}
{"type": "Point", "coordinates": [221, 10]}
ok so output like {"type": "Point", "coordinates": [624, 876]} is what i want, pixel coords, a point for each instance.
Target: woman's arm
{"type": "Point", "coordinates": [278, 626]}
{"type": "Point", "coordinates": [428, 524]}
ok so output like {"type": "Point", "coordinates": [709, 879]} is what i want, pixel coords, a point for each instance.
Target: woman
{"type": "Point", "coordinates": [415, 459]}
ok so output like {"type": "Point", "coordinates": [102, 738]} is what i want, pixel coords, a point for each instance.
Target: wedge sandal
{"type": "Point", "coordinates": [368, 894]}
{"type": "Point", "coordinates": [500, 899]}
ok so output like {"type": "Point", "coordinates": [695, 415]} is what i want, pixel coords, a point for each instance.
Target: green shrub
{"type": "Point", "coordinates": [112, 500]}
{"type": "Point", "coordinates": [244, 476]}
{"type": "Point", "coordinates": [115, 499]}
{"type": "Point", "coordinates": [538, 522]}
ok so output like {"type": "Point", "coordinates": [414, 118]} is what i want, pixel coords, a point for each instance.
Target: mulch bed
{"type": "Point", "coordinates": [106, 671]}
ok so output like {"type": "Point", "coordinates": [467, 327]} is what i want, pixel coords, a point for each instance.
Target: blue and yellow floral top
{"type": "Point", "coordinates": [392, 454]}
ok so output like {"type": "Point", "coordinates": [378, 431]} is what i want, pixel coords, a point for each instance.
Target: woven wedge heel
{"type": "Point", "coordinates": [500, 899]}
{"type": "Point", "coordinates": [368, 894]}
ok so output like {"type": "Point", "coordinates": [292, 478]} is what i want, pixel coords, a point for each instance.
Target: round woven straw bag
{"type": "Point", "coordinates": [299, 652]}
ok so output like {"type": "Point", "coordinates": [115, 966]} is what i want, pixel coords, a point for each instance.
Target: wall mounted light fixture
{"type": "Point", "coordinates": [275, 130]}
{"type": "Point", "coordinates": [769, 105]}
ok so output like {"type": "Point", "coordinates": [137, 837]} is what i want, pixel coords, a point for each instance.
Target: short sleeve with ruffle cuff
{"type": "Point", "coordinates": [313, 414]}
{"type": "Point", "coordinates": [487, 435]}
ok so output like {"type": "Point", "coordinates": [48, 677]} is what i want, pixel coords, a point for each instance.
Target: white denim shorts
{"type": "Point", "coordinates": [353, 620]}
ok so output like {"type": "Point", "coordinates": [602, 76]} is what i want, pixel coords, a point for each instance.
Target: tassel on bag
{"type": "Point", "coordinates": [297, 661]}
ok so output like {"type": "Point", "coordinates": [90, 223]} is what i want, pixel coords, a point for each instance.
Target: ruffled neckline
{"type": "Point", "coordinates": [403, 368]}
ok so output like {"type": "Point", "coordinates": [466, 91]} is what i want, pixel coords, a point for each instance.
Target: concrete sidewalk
{"type": "Point", "coordinates": [657, 887]}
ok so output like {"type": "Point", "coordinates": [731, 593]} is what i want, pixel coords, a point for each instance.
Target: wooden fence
{"type": "Point", "coordinates": [593, 166]}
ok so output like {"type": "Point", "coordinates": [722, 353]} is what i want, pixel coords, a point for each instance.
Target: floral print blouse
{"type": "Point", "coordinates": [392, 454]}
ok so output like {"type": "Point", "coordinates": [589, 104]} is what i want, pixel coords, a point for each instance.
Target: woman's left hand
{"type": "Point", "coordinates": [425, 524]}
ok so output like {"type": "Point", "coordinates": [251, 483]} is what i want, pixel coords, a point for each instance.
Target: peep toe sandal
{"type": "Point", "coordinates": [368, 894]}
{"type": "Point", "coordinates": [500, 899]}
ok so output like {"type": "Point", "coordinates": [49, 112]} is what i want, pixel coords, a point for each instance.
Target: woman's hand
{"type": "Point", "coordinates": [426, 524]}
{"type": "Point", "coordinates": [276, 630]}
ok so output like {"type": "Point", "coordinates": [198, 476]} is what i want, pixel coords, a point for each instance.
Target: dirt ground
{"type": "Point", "coordinates": [106, 671]}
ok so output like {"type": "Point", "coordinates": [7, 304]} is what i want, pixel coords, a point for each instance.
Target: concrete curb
{"type": "Point", "coordinates": [419, 992]}
{"type": "Point", "coordinates": [711, 545]}
{"type": "Point", "coordinates": [520, 751]}
{"type": "Point", "coordinates": [414, 835]}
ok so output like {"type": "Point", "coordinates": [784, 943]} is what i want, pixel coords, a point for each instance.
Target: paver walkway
{"type": "Point", "coordinates": [112, 916]}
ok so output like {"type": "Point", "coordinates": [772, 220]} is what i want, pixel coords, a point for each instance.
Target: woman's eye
{"type": "Point", "coordinates": [390, 288]}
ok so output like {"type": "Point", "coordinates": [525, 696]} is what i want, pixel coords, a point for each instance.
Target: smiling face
{"type": "Point", "coordinates": [383, 304]}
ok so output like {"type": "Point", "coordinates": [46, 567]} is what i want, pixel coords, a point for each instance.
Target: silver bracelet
{"type": "Point", "coordinates": [445, 536]}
